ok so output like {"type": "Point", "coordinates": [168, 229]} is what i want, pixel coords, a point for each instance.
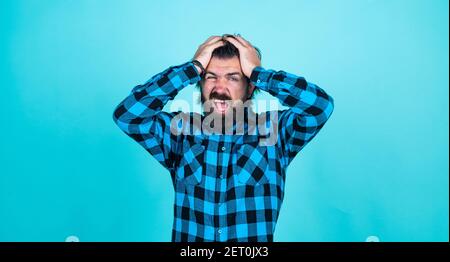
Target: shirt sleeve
{"type": "Point", "coordinates": [141, 117]}
{"type": "Point", "coordinates": [309, 108]}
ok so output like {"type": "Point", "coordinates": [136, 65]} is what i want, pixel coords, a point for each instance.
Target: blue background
{"type": "Point", "coordinates": [378, 168]}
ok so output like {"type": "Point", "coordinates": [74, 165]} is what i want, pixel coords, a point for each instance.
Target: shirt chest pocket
{"type": "Point", "coordinates": [190, 165]}
{"type": "Point", "coordinates": [251, 163]}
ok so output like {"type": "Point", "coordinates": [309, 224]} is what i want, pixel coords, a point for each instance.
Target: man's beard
{"type": "Point", "coordinates": [217, 103]}
{"type": "Point", "coordinates": [232, 112]}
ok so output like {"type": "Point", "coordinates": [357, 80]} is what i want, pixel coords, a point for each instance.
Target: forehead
{"type": "Point", "coordinates": [224, 65]}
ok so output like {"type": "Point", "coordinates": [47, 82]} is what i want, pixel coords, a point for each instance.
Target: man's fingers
{"type": "Point", "coordinates": [206, 41]}
{"type": "Point", "coordinates": [240, 39]}
{"type": "Point", "coordinates": [235, 42]}
{"type": "Point", "coordinates": [227, 35]}
{"type": "Point", "coordinates": [216, 44]}
{"type": "Point", "coordinates": [214, 41]}
{"type": "Point", "coordinates": [211, 39]}
{"type": "Point", "coordinates": [243, 41]}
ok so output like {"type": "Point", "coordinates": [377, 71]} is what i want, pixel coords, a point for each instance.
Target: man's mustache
{"type": "Point", "coordinates": [215, 95]}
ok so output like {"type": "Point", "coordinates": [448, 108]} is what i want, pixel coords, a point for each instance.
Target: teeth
{"type": "Point", "coordinates": [221, 104]}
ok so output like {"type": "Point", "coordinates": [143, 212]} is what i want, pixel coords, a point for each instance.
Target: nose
{"type": "Point", "coordinates": [221, 81]}
{"type": "Point", "coordinates": [221, 85]}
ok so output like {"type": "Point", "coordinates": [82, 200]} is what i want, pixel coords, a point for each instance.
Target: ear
{"type": "Point", "coordinates": [251, 88]}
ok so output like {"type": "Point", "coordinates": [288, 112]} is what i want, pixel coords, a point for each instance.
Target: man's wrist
{"type": "Point", "coordinates": [255, 74]}
{"type": "Point", "coordinates": [199, 67]}
{"type": "Point", "coordinates": [260, 78]}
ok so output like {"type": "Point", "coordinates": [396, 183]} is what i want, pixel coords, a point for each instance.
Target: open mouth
{"type": "Point", "coordinates": [221, 105]}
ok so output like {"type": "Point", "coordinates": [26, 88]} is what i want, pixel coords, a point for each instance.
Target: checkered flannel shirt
{"type": "Point", "coordinates": [227, 187]}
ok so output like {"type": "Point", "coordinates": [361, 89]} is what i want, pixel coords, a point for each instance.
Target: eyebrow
{"type": "Point", "coordinates": [228, 74]}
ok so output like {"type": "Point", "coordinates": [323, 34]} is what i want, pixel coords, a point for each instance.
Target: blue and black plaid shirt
{"type": "Point", "coordinates": [227, 187]}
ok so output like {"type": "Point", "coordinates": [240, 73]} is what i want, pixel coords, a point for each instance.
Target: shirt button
{"type": "Point", "coordinates": [221, 176]}
{"type": "Point", "coordinates": [219, 231]}
{"type": "Point", "coordinates": [258, 81]}
{"type": "Point", "coordinates": [223, 148]}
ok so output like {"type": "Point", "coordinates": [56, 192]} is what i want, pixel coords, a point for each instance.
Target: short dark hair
{"type": "Point", "coordinates": [228, 50]}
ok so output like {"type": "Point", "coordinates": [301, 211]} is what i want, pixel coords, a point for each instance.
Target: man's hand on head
{"type": "Point", "coordinates": [249, 57]}
{"type": "Point", "coordinates": [204, 51]}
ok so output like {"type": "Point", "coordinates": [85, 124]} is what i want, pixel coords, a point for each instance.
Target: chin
{"type": "Point", "coordinates": [222, 113]}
